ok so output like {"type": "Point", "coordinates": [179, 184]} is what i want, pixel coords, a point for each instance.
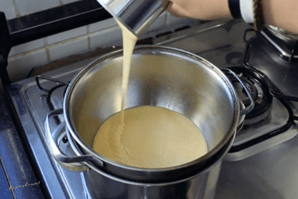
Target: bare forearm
{"type": "Point", "coordinates": [280, 13]}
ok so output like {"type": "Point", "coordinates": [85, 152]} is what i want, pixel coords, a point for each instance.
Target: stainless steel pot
{"type": "Point", "coordinates": [160, 76]}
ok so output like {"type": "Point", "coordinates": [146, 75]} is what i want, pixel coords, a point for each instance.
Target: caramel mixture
{"type": "Point", "coordinates": [153, 137]}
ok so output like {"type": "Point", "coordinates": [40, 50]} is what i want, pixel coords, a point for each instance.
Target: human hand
{"type": "Point", "coordinates": [282, 14]}
{"type": "Point", "coordinates": [200, 9]}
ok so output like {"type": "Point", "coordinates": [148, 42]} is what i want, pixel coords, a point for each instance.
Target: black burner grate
{"type": "Point", "coordinates": [50, 91]}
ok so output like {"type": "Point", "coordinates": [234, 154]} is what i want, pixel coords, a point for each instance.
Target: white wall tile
{"type": "Point", "coordinates": [19, 66]}
{"type": "Point", "coordinates": [73, 47]}
{"type": "Point", "coordinates": [104, 38]}
{"type": "Point", "coordinates": [67, 35]}
{"type": "Point", "coordinates": [102, 25]}
{"type": "Point", "coordinates": [7, 7]}
{"type": "Point", "coordinates": [32, 6]}
{"type": "Point", "coordinates": [26, 47]}
{"type": "Point", "coordinates": [69, 1]}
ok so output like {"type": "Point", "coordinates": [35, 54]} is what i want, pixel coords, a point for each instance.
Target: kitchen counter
{"type": "Point", "coordinates": [15, 168]}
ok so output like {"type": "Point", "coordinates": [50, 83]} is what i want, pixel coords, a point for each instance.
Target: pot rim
{"type": "Point", "coordinates": [77, 138]}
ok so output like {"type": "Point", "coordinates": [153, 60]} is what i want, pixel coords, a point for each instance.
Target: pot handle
{"type": "Point", "coordinates": [251, 106]}
{"type": "Point", "coordinates": [71, 163]}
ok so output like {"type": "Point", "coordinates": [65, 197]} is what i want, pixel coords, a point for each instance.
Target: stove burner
{"type": "Point", "coordinates": [259, 91]}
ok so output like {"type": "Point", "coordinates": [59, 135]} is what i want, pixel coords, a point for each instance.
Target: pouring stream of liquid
{"type": "Point", "coordinates": [117, 130]}
{"type": "Point", "coordinates": [129, 42]}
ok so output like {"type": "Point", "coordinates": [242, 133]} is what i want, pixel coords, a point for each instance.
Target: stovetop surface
{"type": "Point", "coordinates": [15, 168]}
{"type": "Point", "coordinates": [270, 174]}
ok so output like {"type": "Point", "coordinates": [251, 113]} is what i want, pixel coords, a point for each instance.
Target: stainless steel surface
{"type": "Point", "coordinates": [104, 187]}
{"type": "Point", "coordinates": [169, 78]}
{"type": "Point", "coordinates": [228, 50]}
{"type": "Point", "coordinates": [263, 146]}
{"type": "Point", "coordinates": [59, 182]}
{"type": "Point", "coordinates": [269, 174]}
{"type": "Point", "coordinates": [202, 185]}
{"type": "Point", "coordinates": [210, 188]}
{"type": "Point", "coordinates": [32, 108]}
{"type": "Point", "coordinates": [251, 105]}
{"type": "Point", "coordinates": [4, 187]}
{"type": "Point", "coordinates": [15, 168]}
{"type": "Point", "coordinates": [74, 163]}
{"type": "Point", "coordinates": [282, 34]}
{"type": "Point", "coordinates": [278, 117]}
{"type": "Point", "coordinates": [282, 41]}
{"type": "Point", "coordinates": [272, 173]}
{"type": "Point", "coordinates": [166, 77]}
{"type": "Point", "coordinates": [136, 15]}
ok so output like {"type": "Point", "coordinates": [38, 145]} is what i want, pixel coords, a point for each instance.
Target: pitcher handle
{"type": "Point", "coordinates": [71, 163]}
{"type": "Point", "coordinates": [251, 106]}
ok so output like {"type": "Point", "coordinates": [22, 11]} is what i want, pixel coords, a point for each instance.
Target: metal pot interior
{"type": "Point", "coordinates": [159, 76]}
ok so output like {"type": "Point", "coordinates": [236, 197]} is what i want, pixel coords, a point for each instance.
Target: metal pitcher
{"type": "Point", "coordinates": [136, 15]}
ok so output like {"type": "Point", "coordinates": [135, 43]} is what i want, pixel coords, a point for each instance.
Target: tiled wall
{"type": "Point", "coordinates": [24, 57]}
{"type": "Point", "coordinates": [17, 8]}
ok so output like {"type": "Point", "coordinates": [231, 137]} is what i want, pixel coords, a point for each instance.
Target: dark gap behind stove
{"type": "Point", "coordinates": [55, 20]}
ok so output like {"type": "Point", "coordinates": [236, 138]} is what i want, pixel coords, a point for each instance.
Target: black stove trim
{"type": "Point", "coordinates": [55, 20]}
{"type": "Point", "coordinates": [5, 47]}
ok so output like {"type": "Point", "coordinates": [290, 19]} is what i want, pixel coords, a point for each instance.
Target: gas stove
{"type": "Point", "coordinates": [226, 45]}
